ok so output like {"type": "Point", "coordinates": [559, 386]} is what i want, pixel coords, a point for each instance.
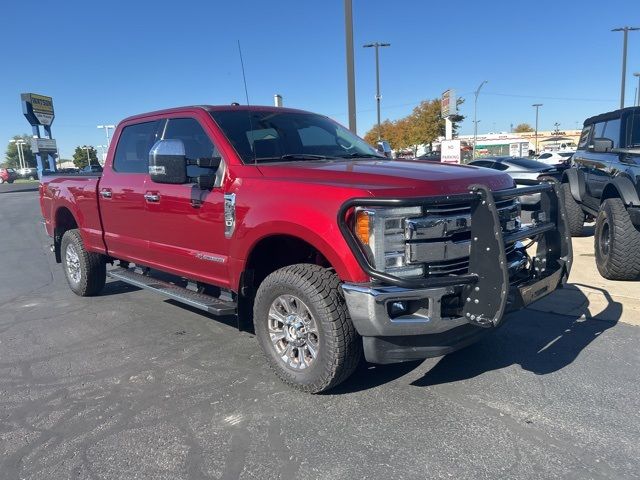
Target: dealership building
{"type": "Point", "coordinates": [519, 144]}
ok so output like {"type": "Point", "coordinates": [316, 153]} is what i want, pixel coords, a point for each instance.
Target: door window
{"type": "Point", "coordinates": [197, 143]}
{"type": "Point", "coordinates": [132, 152]}
{"type": "Point", "coordinates": [612, 132]}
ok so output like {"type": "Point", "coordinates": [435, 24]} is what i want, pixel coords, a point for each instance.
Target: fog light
{"type": "Point", "coordinates": [398, 308]}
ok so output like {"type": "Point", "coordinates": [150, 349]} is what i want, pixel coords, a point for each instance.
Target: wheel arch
{"type": "Point", "coordinates": [64, 220]}
{"type": "Point", "coordinates": [575, 178]}
{"type": "Point", "coordinates": [623, 188]}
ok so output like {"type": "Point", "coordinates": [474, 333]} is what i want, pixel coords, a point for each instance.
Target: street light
{"type": "Point", "coordinates": [106, 129]}
{"type": "Point", "coordinates": [87, 148]}
{"type": "Point", "coordinates": [475, 123]}
{"type": "Point", "coordinates": [625, 31]}
{"type": "Point", "coordinates": [637, 74]}
{"type": "Point", "coordinates": [19, 143]}
{"type": "Point", "coordinates": [537, 106]}
{"type": "Point", "coordinates": [377, 46]}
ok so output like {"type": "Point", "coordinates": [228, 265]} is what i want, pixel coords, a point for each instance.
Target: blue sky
{"type": "Point", "coordinates": [103, 61]}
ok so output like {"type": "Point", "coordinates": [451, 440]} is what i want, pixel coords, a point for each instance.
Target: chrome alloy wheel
{"type": "Point", "coordinates": [293, 332]}
{"type": "Point", "coordinates": [73, 264]}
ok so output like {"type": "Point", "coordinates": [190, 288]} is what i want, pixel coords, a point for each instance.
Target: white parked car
{"type": "Point", "coordinates": [554, 158]}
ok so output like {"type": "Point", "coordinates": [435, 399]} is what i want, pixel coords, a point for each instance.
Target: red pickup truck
{"type": "Point", "coordinates": [286, 219]}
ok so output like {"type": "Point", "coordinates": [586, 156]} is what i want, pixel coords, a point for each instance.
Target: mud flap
{"type": "Point", "coordinates": [485, 301]}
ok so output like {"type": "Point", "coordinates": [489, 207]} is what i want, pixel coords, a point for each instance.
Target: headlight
{"type": "Point", "coordinates": [382, 234]}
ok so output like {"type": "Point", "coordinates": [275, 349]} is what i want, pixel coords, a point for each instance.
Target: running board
{"type": "Point", "coordinates": [207, 303]}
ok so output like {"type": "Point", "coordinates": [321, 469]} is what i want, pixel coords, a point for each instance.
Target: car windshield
{"type": "Point", "coordinates": [528, 164]}
{"type": "Point", "coordinates": [272, 136]}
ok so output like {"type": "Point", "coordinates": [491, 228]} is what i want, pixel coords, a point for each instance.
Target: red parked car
{"type": "Point", "coordinates": [286, 219]}
{"type": "Point", "coordinates": [7, 175]}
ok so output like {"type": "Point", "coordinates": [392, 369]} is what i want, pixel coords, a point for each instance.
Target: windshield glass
{"type": "Point", "coordinates": [526, 163]}
{"type": "Point", "coordinates": [268, 136]}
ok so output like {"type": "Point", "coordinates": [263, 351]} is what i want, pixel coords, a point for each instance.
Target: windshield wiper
{"type": "Point", "coordinates": [296, 156]}
{"type": "Point", "coordinates": [361, 155]}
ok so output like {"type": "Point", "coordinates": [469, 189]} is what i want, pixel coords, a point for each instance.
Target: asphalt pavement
{"type": "Point", "coordinates": [127, 385]}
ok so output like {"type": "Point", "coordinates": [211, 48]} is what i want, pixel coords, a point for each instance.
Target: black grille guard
{"type": "Point", "coordinates": [486, 286]}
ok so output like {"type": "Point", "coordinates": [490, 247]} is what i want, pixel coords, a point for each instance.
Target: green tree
{"type": "Point", "coordinates": [12, 159]}
{"type": "Point", "coordinates": [80, 159]}
{"type": "Point", "coordinates": [523, 127]}
{"type": "Point", "coordinates": [422, 126]}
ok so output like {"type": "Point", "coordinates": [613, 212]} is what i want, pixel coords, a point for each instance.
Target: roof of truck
{"type": "Point", "coordinates": [609, 115]}
{"type": "Point", "coordinates": [215, 108]}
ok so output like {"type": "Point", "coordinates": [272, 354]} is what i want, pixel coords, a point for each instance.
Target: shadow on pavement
{"type": "Point", "coordinates": [539, 342]}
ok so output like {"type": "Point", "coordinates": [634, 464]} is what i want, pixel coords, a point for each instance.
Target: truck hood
{"type": "Point", "coordinates": [389, 177]}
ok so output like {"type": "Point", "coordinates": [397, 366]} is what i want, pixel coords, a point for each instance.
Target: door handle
{"type": "Point", "coordinates": [152, 197]}
{"type": "Point", "coordinates": [105, 193]}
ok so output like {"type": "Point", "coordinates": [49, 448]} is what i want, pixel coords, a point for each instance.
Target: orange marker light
{"type": "Point", "coordinates": [362, 227]}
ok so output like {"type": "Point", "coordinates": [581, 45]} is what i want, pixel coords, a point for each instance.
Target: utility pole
{"type": "Point", "coordinates": [106, 129]}
{"type": "Point", "coordinates": [625, 31]}
{"type": "Point", "coordinates": [637, 99]}
{"type": "Point", "coordinates": [351, 78]}
{"type": "Point", "coordinates": [475, 122]}
{"type": "Point", "coordinates": [537, 106]}
{"type": "Point", "coordinates": [377, 46]}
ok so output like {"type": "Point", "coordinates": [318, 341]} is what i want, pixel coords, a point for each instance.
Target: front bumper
{"type": "Point", "coordinates": [403, 319]}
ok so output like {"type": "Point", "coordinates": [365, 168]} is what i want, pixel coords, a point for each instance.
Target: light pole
{"type": "Point", "coordinates": [351, 77]}
{"type": "Point", "coordinates": [19, 143]}
{"type": "Point", "coordinates": [475, 112]}
{"type": "Point", "coordinates": [377, 46]}
{"type": "Point", "coordinates": [537, 106]}
{"type": "Point", "coordinates": [87, 148]}
{"type": "Point", "coordinates": [637, 74]}
{"type": "Point", "coordinates": [625, 31]}
{"type": "Point", "coordinates": [106, 129]}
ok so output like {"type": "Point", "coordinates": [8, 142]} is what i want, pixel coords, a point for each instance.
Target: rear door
{"type": "Point", "coordinates": [186, 223]}
{"type": "Point", "coordinates": [121, 193]}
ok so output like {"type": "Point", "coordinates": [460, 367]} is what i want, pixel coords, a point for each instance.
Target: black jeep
{"type": "Point", "coordinates": [605, 184]}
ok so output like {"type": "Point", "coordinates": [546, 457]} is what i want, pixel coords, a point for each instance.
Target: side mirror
{"type": "Point", "coordinates": [602, 145]}
{"type": "Point", "coordinates": [168, 162]}
{"type": "Point", "coordinates": [384, 148]}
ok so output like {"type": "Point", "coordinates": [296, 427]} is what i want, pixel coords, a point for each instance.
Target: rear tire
{"type": "Point", "coordinates": [575, 215]}
{"type": "Point", "coordinates": [86, 272]}
{"type": "Point", "coordinates": [303, 327]}
{"type": "Point", "coordinates": [617, 242]}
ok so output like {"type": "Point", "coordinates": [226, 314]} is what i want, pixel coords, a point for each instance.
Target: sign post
{"type": "Point", "coordinates": [38, 110]}
{"type": "Point", "coordinates": [449, 148]}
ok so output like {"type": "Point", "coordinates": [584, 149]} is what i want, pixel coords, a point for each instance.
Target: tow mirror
{"type": "Point", "coordinates": [602, 145]}
{"type": "Point", "coordinates": [168, 162]}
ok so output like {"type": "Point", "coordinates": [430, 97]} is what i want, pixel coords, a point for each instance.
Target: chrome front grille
{"type": "Point", "coordinates": [441, 238]}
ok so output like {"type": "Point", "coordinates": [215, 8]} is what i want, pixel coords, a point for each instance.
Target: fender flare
{"type": "Point", "coordinates": [575, 178]}
{"type": "Point", "coordinates": [623, 188]}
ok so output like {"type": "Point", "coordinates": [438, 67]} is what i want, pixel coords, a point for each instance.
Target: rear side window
{"type": "Point", "coordinates": [633, 130]}
{"type": "Point", "coordinates": [197, 143]}
{"type": "Point", "coordinates": [132, 152]}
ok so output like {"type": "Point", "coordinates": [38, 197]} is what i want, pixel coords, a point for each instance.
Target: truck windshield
{"type": "Point", "coordinates": [271, 136]}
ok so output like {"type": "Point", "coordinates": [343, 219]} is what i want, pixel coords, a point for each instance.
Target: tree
{"type": "Point", "coordinates": [80, 156]}
{"type": "Point", "coordinates": [523, 127]}
{"type": "Point", "coordinates": [12, 159]}
{"type": "Point", "coordinates": [422, 126]}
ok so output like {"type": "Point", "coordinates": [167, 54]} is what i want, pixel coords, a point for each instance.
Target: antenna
{"type": "Point", "coordinates": [244, 77]}
{"type": "Point", "coordinates": [246, 94]}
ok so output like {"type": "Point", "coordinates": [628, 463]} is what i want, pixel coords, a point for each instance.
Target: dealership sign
{"type": "Point", "coordinates": [38, 109]}
{"type": "Point", "coordinates": [448, 104]}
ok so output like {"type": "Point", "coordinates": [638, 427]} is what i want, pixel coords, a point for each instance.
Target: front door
{"type": "Point", "coordinates": [121, 193]}
{"type": "Point", "coordinates": [186, 223]}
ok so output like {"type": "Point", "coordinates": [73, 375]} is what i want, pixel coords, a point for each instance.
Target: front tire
{"type": "Point", "coordinates": [575, 215]}
{"type": "Point", "coordinates": [303, 327]}
{"type": "Point", "coordinates": [617, 242]}
{"type": "Point", "coordinates": [86, 272]}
